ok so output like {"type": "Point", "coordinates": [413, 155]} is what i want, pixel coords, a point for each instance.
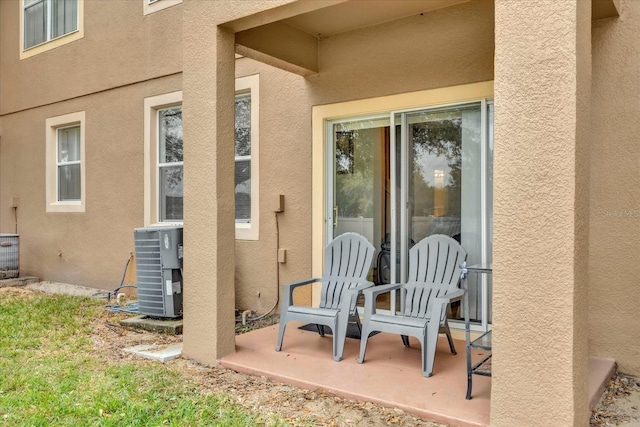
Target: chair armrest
{"type": "Point", "coordinates": [451, 296]}
{"type": "Point", "coordinates": [377, 290]}
{"type": "Point", "coordinates": [287, 291]}
{"type": "Point", "coordinates": [349, 294]}
{"type": "Point", "coordinates": [370, 295]}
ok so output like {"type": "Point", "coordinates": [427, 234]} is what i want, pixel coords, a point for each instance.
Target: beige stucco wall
{"type": "Point", "coordinates": [94, 245]}
{"type": "Point", "coordinates": [120, 46]}
{"type": "Point", "coordinates": [540, 342]}
{"type": "Point", "coordinates": [614, 261]}
{"type": "Point", "coordinates": [123, 58]}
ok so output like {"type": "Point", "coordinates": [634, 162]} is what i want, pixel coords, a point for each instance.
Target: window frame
{"type": "Point", "coordinates": [163, 165]}
{"type": "Point", "coordinates": [152, 6]}
{"type": "Point", "coordinates": [152, 106]}
{"type": "Point", "coordinates": [53, 126]}
{"type": "Point", "coordinates": [60, 164]}
{"type": "Point", "coordinates": [251, 85]}
{"type": "Point", "coordinates": [50, 42]}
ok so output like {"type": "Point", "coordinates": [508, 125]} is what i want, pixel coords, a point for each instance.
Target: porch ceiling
{"type": "Point", "coordinates": [287, 37]}
{"type": "Point", "coordinates": [291, 43]}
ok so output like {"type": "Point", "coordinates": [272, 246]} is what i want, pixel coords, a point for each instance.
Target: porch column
{"type": "Point", "coordinates": [209, 201]}
{"type": "Point", "coordinates": [542, 90]}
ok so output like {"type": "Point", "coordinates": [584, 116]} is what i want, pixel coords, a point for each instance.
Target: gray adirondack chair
{"type": "Point", "coordinates": [436, 266]}
{"type": "Point", "coordinates": [347, 260]}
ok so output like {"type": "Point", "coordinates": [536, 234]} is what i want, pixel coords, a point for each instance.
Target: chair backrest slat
{"type": "Point", "coordinates": [347, 257]}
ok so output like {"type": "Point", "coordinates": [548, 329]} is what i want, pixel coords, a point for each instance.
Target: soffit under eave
{"type": "Point", "coordinates": [603, 9]}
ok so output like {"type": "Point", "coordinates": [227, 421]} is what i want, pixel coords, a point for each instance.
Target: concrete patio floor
{"type": "Point", "coordinates": [390, 376]}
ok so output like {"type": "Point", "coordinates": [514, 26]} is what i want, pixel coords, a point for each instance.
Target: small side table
{"type": "Point", "coordinates": [483, 367]}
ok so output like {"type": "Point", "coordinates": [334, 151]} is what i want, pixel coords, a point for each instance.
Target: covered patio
{"type": "Point", "coordinates": [540, 239]}
{"type": "Point", "coordinates": [391, 375]}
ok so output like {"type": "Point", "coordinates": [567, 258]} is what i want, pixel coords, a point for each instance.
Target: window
{"type": "Point", "coordinates": [163, 167]}
{"type": "Point", "coordinates": [65, 163]}
{"type": "Point", "coordinates": [151, 6]}
{"type": "Point", "coordinates": [69, 164]}
{"type": "Point", "coordinates": [246, 158]}
{"type": "Point", "coordinates": [163, 159]}
{"type": "Point", "coordinates": [45, 20]}
{"type": "Point", "coordinates": [170, 164]}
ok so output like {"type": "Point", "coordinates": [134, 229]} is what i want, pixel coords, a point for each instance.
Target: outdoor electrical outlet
{"type": "Point", "coordinates": [278, 203]}
{"type": "Point", "coordinates": [282, 256]}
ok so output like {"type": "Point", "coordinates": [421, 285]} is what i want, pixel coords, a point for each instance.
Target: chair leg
{"type": "Point", "coordinates": [429, 344]}
{"type": "Point", "coordinates": [364, 336]}
{"type": "Point", "coordinates": [283, 325]}
{"type": "Point", "coordinates": [320, 329]}
{"type": "Point", "coordinates": [449, 339]}
{"type": "Point", "coordinates": [405, 340]}
{"type": "Point", "coordinates": [358, 324]}
{"type": "Point", "coordinates": [339, 335]}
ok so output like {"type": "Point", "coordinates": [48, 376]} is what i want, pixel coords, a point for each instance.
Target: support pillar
{"type": "Point", "coordinates": [541, 178]}
{"type": "Point", "coordinates": [209, 201]}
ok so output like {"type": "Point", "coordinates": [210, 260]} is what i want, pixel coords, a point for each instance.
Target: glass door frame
{"type": "Point", "coordinates": [484, 325]}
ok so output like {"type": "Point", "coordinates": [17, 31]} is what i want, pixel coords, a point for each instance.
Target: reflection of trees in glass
{"type": "Point", "coordinates": [243, 157]}
{"type": "Point", "coordinates": [243, 125]}
{"type": "Point", "coordinates": [437, 138]}
{"type": "Point", "coordinates": [344, 152]}
{"type": "Point", "coordinates": [355, 172]}
{"type": "Point", "coordinates": [171, 149]}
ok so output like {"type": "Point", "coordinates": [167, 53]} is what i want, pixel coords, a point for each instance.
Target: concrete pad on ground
{"type": "Point", "coordinates": [63, 288]}
{"type": "Point", "coordinates": [18, 281]}
{"type": "Point", "coordinates": [156, 352]}
{"type": "Point", "coordinates": [166, 326]}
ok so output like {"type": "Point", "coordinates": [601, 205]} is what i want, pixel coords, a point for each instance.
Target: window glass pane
{"type": "Point", "coordinates": [171, 193]}
{"type": "Point", "coordinates": [35, 25]}
{"type": "Point", "coordinates": [64, 17]}
{"type": "Point", "coordinates": [243, 191]}
{"type": "Point", "coordinates": [243, 125]}
{"type": "Point", "coordinates": [69, 182]}
{"type": "Point", "coordinates": [69, 144]}
{"type": "Point", "coordinates": [170, 134]}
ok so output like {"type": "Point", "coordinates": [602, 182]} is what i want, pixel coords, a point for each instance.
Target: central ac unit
{"type": "Point", "coordinates": [159, 270]}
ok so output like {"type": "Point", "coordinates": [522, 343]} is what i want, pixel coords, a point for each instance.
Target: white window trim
{"type": "Point", "coordinates": [51, 140]}
{"type": "Point", "coordinates": [53, 43]}
{"type": "Point", "coordinates": [152, 6]}
{"type": "Point", "coordinates": [151, 192]}
{"type": "Point", "coordinates": [251, 231]}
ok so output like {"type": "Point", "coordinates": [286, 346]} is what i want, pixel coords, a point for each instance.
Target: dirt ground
{"type": "Point", "coordinates": [620, 405]}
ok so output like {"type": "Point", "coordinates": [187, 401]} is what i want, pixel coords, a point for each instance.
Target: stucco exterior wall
{"type": "Point", "coordinates": [285, 129]}
{"type": "Point", "coordinates": [442, 48]}
{"type": "Point", "coordinates": [542, 82]}
{"type": "Point", "coordinates": [614, 263]}
{"type": "Point", "coordinates": [93, 245]}
{"type": "Point", "coordinates": [120, 46]}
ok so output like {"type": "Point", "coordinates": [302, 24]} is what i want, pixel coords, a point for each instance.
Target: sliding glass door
{"type": "Point", "coordinates": [400, 177]}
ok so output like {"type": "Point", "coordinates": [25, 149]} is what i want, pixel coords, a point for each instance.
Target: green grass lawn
{"type": "Point", "coordinates": [50, 375]}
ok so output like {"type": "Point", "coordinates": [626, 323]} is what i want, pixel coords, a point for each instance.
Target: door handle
{"type": "Point", "coordinates": [335, 216]}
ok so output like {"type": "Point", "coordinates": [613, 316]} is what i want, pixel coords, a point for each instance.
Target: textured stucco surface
{"type": "Point", "coordinates": [94, 245]}
{"type": "Point", "coordinates": [120, 46]}
{"type": "Point", "coordinates": [614, 260]}
{"type": "Point", "coordinates": [542, 80]}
